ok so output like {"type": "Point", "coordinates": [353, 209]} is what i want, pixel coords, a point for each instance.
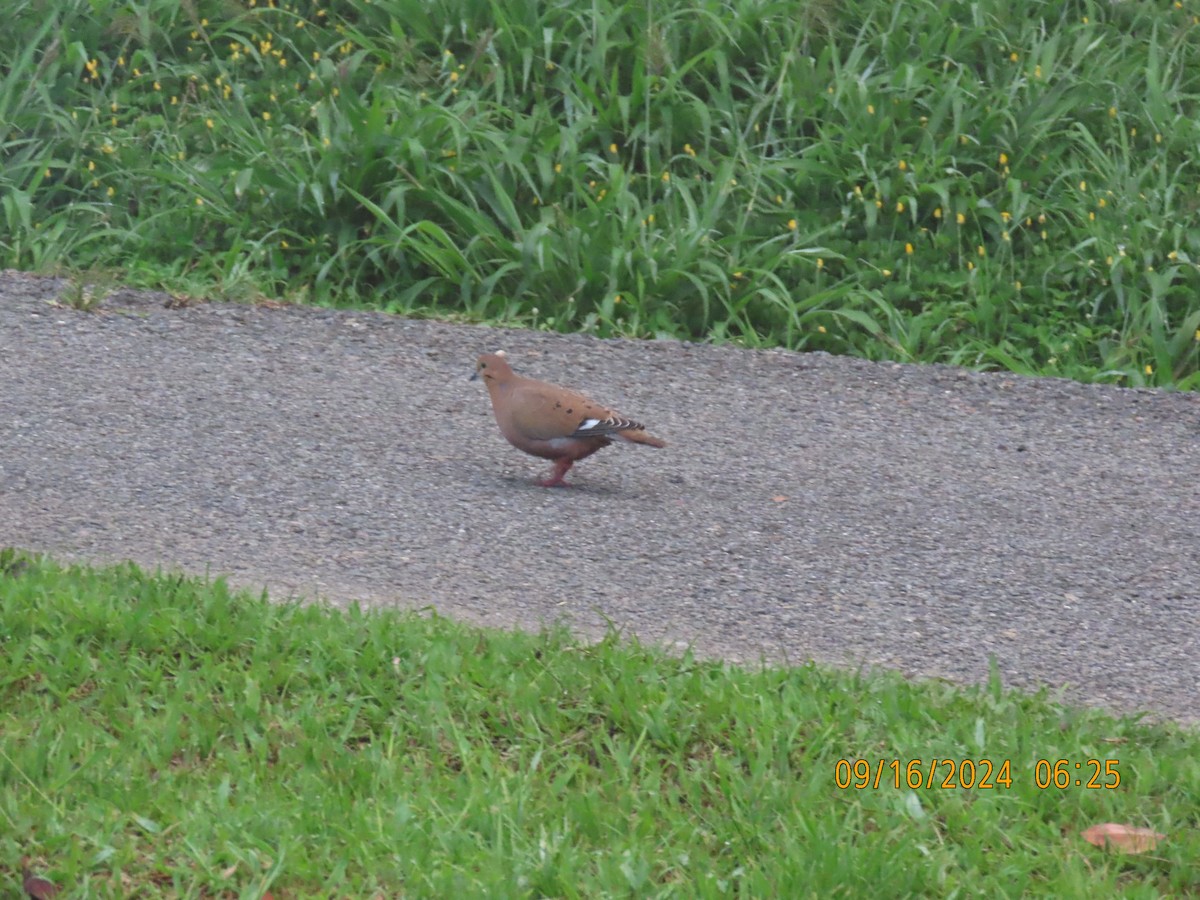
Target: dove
{"type": "Point", "coordinates": [553, 422]}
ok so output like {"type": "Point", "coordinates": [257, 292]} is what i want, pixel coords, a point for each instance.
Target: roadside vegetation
{"type": "Point", "coordinates": [162, 736]}
{"type": "Point", "coordinates": [992, 184]}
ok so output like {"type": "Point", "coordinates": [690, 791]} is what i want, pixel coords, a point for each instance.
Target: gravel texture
{"type": "Point", "coordinates": [808, 506]}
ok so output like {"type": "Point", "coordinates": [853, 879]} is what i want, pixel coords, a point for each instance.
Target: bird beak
{"type": "Point", "coordinates": [474, 376]}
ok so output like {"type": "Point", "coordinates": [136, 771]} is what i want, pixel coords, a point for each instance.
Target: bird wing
{"type": "Point", "coordinates": [543, 412]}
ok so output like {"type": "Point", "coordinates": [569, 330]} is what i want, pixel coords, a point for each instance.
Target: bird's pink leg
{"type": "Point", "coordinates": [561, 466]}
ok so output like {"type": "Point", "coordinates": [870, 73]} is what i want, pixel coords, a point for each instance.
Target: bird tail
{"type": "Point", "coordinates": [641, 436]}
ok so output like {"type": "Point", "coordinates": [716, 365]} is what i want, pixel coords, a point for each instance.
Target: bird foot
{"type": "Point", "coordinates": [561, 467]}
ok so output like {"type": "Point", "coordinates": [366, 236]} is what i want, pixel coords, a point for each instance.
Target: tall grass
{"type": "Point", "coordinates": [990, 184]}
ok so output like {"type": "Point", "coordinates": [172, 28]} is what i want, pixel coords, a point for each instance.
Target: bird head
{"type": "Point", "coordinates": [491, 366]}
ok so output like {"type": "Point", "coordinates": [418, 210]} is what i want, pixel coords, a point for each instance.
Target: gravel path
{"type": "Point", "coordinates": [808, 507]}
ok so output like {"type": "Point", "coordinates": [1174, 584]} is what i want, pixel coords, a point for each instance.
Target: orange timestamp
{"type": "Point", "coordinates": [973, 774]}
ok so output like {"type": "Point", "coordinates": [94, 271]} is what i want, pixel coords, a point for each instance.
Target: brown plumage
{"type": "Point", "coordinates": [553, 422]}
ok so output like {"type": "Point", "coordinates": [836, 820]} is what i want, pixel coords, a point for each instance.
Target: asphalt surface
{"type": "Point", "coordinates": [808, 507]}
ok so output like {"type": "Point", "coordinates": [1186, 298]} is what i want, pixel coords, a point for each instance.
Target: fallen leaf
{"type": "Point", "coordinates": [227, 873]}
{"type": "Point", "coordinates": [1127, 838]}
{"type": "Point", "coordinates": [37, 887]}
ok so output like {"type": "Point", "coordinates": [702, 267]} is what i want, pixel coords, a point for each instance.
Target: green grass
{"type": "Point", "coordinates": [992, 184]}
{"type": "Point", "coordinates": [162, 736]}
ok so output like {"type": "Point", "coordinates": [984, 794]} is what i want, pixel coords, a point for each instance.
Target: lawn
{"type": "Point", "coordinates": [162, 736]}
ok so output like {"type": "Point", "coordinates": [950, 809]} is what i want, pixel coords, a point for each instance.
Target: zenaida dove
{"type": "Point", "coordinates": [553, 422]}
